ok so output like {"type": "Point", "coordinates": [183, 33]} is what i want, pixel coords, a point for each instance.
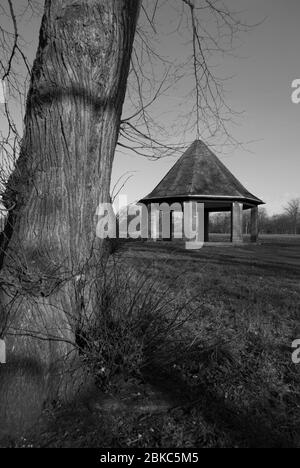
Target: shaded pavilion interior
{"type": "Point", "coordinates": [199, 176]}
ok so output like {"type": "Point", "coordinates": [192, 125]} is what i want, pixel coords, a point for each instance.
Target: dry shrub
{"type": "Point", "coordinates": [139, 323]}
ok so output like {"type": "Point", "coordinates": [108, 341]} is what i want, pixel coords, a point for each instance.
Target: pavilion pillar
{"type": "Point", "coordinates": [254, 224]}
{"type": "Point", "coordinates": [177, 223]}
{"type": "Point", "coordinates": [193, 221]}
{"type": "Point", "coordinates": [171, 224]}
{"type": "Point", "coordinates": [144, 226]}
{"type": "Point", "coordinates": [149, 222]}
{"type": "Point", "coordinates": [165, 222]}
{"type": "Point", "coordinates": [160, 225]}
{"type": "Point", "coordinates": [206, 226]}
{"type": "Point", "coordinates": [153, 221]}
{"type": "Point", "coordinates": [237, 222]}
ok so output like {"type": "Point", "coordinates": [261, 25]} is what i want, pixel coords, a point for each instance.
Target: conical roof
{"type": "Point", "coordinates": [199, 173]}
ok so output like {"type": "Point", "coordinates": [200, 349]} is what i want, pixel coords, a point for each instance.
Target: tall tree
{"type": "Point", "coordinates": [72, 120]}
{"type": "Point", "coordinates": [50, 253]}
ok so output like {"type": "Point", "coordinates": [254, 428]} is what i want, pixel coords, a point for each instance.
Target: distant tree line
{"type": "Point", "coordinates": [286, 222]}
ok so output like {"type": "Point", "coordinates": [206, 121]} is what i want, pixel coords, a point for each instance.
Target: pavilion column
{"type": "Point", "coordinates": [237, 222]}
{"type": "Point", "coordinates": [206, 226]}
{"type": "Point", "coordinates": [149, 221]}
{"type": "Point", "coordinates": [153, 221]}
{"type": "Point", "coordinates": [160, 225]}
{"type": "Point", "coordinates": [254, 224]}
{"type": "Point", "coordinates": [171, 225]}
{"type": "Point", "coordinates": [193, 221]}
{"type": "Point", "coordinates": [165, 222]}
{"type": "Point", "coordinates": [177, 222]}
{"type": "Point", "coordinates": [144, 226]}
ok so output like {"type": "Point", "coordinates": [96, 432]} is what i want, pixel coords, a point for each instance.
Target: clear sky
{"type": "Point", "coordinates": [266, 63]}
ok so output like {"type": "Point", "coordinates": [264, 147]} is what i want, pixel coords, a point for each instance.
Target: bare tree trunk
{"type": "Point", "coordinates": [52, 255]}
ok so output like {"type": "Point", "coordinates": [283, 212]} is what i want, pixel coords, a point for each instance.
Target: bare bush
{"type": "Point", "coordinates": [139, 323]}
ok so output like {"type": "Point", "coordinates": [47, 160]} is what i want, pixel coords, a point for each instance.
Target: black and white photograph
{"type": "Point", "coordinates": [149, 227]}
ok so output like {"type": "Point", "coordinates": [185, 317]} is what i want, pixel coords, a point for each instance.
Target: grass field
{"type": "Point", "coordinates": [242, 390]}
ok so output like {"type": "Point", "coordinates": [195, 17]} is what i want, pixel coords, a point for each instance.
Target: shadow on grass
{"type": "Point", "coordinates": [242, 428]}
{"type": "Point", "coordinates": [196, 409]}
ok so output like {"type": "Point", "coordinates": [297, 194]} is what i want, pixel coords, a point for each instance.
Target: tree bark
{"type": "Point", "coordinates": [52, 254]}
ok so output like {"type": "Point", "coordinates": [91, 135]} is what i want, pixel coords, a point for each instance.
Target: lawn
{"type": "Point", "coordinates": [241, 390]}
